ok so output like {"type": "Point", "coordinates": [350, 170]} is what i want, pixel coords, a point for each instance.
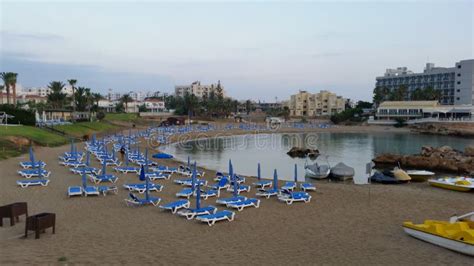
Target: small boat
{"type": "Point", "coordinates": [456, 234]}
{"type": "Point", "coordinates": [384, 179]}
{"type": "Point", "coordinates": [420, 175]}
{"type": "Point", "coordinates": [317, 171]}
{"type": "Point", "coordinates": [453, 183]}
{"type": "Point", "coordinates": [342, 172]}
{"type": "Point", "coordinates": [401, 175]}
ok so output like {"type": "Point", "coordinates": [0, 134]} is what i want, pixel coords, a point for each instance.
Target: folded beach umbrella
{"type": "Point", "coordinates": [296, 174]}
{"type": "Point", "coordinates": [72, 146]}
{"type": "Point", "coordinates": [147, 185]}
{"type": "Point", "coordinates": [104, 167]}
{"type": "Point", "coordinates": [275, 180]}
{"type": "Point", "coordinates": [189, 162]}
{"type": "Point", "coordinates": [198, 193]}
{"type": "Point", "coordinates": [88, 159]}
{"type": "Point", "coordinates": [126, 157]}
{"type": "Point", "coordinates": [258, 172]}
{"type": "Point", "coordinates": [193, 178]}
{"type": "Point", "coordinates": [235, 192]}
{"type": "Point", "coordinates": [231, 169]}
{"type": "Point", "coordinates": [84, 180]}
{"type": "Point", "coordinates": [32, 156]}
{"type": "Point", "coordinates": [146, 159]}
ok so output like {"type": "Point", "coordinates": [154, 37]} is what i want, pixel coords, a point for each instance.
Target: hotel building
{"type": "Point", "coordinates": [199, 90]}
{"type": "Point", "coordinates": [456, 84]}
{"type": "Point", "coordinates": [323, 103]}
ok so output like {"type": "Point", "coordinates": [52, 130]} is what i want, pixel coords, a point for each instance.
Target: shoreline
{"type": "Point", "coordinates": [338, 220]}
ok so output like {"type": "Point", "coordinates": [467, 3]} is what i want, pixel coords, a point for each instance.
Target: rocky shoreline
{"type": "Point", "coordinates": [445, 129]}
{"type": "Point", "coordinates": [435, 159]}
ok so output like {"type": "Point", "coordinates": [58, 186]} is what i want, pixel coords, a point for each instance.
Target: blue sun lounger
{"type": "Point", "coordinates": [164, 169]}
{"type": "Point", "coordinates": [32, 182]}
{"type": "Point", "coordinates": [29, 164]}
{"type": "Point", "coordinates": [188, 182]}
{"type": "Point", "coordinates": [267, 193]}
{"type": "Point", "coordinates": [103, 178]}
{"type": "Point", "coordinates": [176, 205]}
{"type": "Point", "coordinates": [205, 194]}
{"type": "Point", "coordinates": [74, 191]}
{"type": "Point", "coordinates": [85, 170]}
{"type": "Point", "coordinates": [289, 185]}
{"type": "Point", "coordinates": [225, 201]}
{"type": "Point", "coordinates": [127, 169]}
{"type": "Point", "coordinates": [156, 176]}
{"type": "Point", "coordinates": [29, 173]}
{"type": "Point", "coordinates": [307, 187]}
{"type": "Point", "coordinates": [135, 201]}
{"type": "Point", "coordinates": [74, 164]}
{"type": "Point", "coordinates": [106, 189]}
{"type": "Point", "coordinates": [240, 188]}
{"type": "Point", "coordinates": [240, 205]}
{"type": "Point", "coordinates": [222, 184]}
{"type": "Point", "coordinates": [91, 191]}
{"type": "Point", "coordinates": [211, 219]}
{"type": "Point", "coordinates": [262, 184]}
{"type": "Point", "coordinates": [141, 187]}
{"type": "Point", "coordinates": [185, 193]}
{"type": "Point", "coordinates": [289, 197]}
{"type": "Point", "coordinates": [190, 213]}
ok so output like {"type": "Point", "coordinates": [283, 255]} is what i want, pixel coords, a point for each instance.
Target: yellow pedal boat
{"type": "Point", "coordinates": [456, 234]}
{"type": "Point", "coordinates": [453, 183]}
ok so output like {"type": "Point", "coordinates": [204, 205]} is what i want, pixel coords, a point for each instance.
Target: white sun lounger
{"type": "Point", "coordinates": [267, 193]}
{"type": "Point", "coordinates": [32, 182]}
{"type": "Point", "coordinates": [176, 205]}
{"type": "Point", "coordinates": [240, 205]}
{"type": "Point", "coordinates": [91, 191]}
{"type": "Point", "coordinates": [74, 191]}
{"type": "Point", "coordinates": [103, 178]}
{"type": "Point", "coordinates": [262, 184]}
{"type": "Point", "coordinates": [135, 201]}
{"type": "Point", "coordinates": [28, 165]}
{"type": "Point", "coordinates": [211, 219]}
{"type": "Point", "coordinates": [225, 201]}
{"type": "Point", "coordinates": [307, 187]}
{"type": "Point", "coordinates": [140, 187]}
{"type": "Point", "coordinates": [29, 173]}
{"type": "Point", "coordinates": [185, 193]}
{"type": "Point", "coordinates": [290, 197]}
{"type": "Point", "coordinates": [191, 213]}
{"type": "Point", "coordinates": [240, 188]}
{"type": "Point", "coordinates": [106, 189]}
{"type": "Point", "coordinates": [127, 169]}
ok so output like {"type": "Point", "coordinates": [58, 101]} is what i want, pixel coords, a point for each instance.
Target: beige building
{"type": "Point", "coordinates": [323, 103]}
{"type": "Point", "coordinates": [412, 110]}
{"type": "Point", "coordinates": [199, 90]}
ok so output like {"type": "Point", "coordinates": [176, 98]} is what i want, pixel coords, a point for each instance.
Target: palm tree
{"type": "Point", "coordinates": [56, 96]}
{"type": "Point", "coordinates": [126, 99]}
{"type": "Point", "coordinates": [2, 87]}
{"type": "Point", "coordinates": [6, 77]}
{"type": "Point", "coordinates": [73, 82]}
{"type": "Point", "coordinates": [96, 98]}
{"type": "Point", "coordinates": [13, 80]}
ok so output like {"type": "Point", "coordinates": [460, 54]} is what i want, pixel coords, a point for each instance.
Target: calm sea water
{"type": "Point", "coordinates": [354, 149]}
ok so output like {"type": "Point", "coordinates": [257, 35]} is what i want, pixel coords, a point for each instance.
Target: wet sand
{"type": "Point", "coordinates": [343, 224]}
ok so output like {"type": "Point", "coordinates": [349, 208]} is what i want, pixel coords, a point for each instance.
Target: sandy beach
{"type": "Point", "coordinates": [343, 224]}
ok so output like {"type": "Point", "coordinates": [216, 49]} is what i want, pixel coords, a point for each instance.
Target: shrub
{"type": "Point", "coordinates": [400, 122]}
{"type": "Point", "coordinates": [100, 115]}
{"type": "Point", "coordinates": [24, 117]}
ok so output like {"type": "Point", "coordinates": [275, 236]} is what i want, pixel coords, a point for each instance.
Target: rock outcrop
{"type": "Point", "coordinates": [303, 153]}
{"type": "Point", "coordinates": [441, 159]}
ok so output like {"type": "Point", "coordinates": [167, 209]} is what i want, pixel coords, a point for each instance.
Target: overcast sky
{"type": "Point", "coordinates": [257, 50]}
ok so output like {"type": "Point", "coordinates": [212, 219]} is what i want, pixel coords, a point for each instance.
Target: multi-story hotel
{"type": "Point", "coordinates": [456, 84]}
{"type": "Point", "coordinates": [323, 103]}
{"type": "Point", "coordinates": [199, 90]}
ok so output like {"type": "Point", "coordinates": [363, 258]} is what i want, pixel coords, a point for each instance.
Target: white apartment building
{"type": "Point", "coordinates": [199, 90]}
{"type": "Point", "coordinates": [323, 103]}
{"type": "Point", "coordinates": [456, 84]}
{"type": "Point", "coordinates": [154, 105]}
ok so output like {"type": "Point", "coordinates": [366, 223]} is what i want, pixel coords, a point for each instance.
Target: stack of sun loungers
{"type": "Point", "coordinates": [34, 173]}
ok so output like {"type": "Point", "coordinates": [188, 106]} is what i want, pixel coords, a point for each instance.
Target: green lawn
{"type": "Point", "coordinates": [37, 135]}
{"type": "Point", "coordinates": [85, 128]}
{"type": "Point", "coordinates": [124, 117]}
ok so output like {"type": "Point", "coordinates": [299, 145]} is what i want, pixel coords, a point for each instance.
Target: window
{"type": "Point", "coordinates": [459, 74]}
{"type": "Point", "coordinates": [457, 98]}
{"type": "Point", "coordinates": [458, 90]}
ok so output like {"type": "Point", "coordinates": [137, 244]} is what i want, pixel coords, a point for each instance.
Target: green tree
{"type": "Point", "coordinates": [126, 99]}
{"type": "Point", "coordinates": [2, 88]}
{"type": "Point", "coordinates": [72, 83]}
{"type": "Point", "coordinates": [9, 81]}
{"type": "Point", "coordinates": [399, 94]}
{"type": "Point", "coordinates": [80, 99]}
{"type": "Point", "coordinates": [248, 106]}
{"type": "Point", "coordinates": [96, 97]}
{"type": "Point", "coordinates": [56, 97]}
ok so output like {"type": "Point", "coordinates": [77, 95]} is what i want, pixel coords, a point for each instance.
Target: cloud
{"type": "Point", "coordinates": [30, 36]}
{"type": "Point", "coordinates": [37, 73]}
